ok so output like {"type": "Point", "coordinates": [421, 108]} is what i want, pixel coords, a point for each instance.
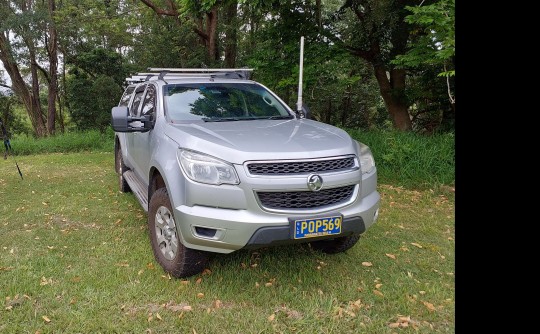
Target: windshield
{"type": "Point", "coordinates": [214, 102]}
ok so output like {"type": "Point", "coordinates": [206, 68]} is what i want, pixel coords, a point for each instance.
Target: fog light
{"type": "Point", "coordinates": [205, 232]}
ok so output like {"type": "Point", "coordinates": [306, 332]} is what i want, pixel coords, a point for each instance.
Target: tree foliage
{"type": "Point", "coordinates": [367, 63]}
{"type": "Point", "coordinates": [94, 86]}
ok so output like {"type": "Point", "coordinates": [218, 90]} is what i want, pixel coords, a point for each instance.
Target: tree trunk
{"type": "Point", "coordinates": [318, 16]}
{"type": "Point", "coordinates": [211, 32]}
{"type": "Point", "coordinates": [346, 107]}
{"type": "Point", "coordinates": [35, 111]}
{"type": "Point", "coordinates": [393, 93]}
{"type": "Point", "coordinates": [20, 88]}
{"type": "Point", "coordinates": [53, 68]}
{"type": "Point", "coordinates": [231, 40]}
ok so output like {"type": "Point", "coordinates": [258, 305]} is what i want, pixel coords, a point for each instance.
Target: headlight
{"type": "Point", "coordinates": [367, 163]}
{"type": "Point", "coordinates": [206, 169]}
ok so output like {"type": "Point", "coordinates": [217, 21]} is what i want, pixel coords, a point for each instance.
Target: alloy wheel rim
{"type": "Point", "coordinates": [165, 226]}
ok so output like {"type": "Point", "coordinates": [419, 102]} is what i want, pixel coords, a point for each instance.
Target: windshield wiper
{"type": "Point", "coordinates": [220, 119]}
{"type": "Point", "coordinates": [281, 117]}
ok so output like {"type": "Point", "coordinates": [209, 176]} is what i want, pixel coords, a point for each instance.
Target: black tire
{"type": "Point", "coordinates": [170, 253]}
{"type": "Point", "coordinates": [120, 169]}
{"type": "Point", "coordinates": [337, 245]}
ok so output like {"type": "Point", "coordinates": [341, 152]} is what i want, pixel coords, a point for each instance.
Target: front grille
{"type": "Point", "coordinates": [300, 167]}
{"type": "Point", "coordinates": [305, 199]}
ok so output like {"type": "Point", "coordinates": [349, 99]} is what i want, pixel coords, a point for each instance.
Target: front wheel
{"type": "Point", "coordinates": [170, 253]}
{"type": "Point", "coordinates": [336, 245]}
{"type": "Point", "coordinates": [120, 169]}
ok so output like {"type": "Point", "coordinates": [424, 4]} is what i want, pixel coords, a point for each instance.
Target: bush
{"type": "Point", "coordinates": [402, 159]}
{"type": "Point", "coordinates": [409, 159]}
{"type": "Point", "coordinates": [92, 140]}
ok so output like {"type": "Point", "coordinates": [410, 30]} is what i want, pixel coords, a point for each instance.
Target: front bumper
{"type": "Point", "coordinates": [226, 230]}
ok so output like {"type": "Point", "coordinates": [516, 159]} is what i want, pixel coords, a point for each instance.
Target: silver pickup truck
{"type": "Point", "coordinates": [220, 163]}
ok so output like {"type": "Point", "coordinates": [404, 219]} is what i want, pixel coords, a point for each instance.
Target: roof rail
{"type": "Point", "coordinates": [177, 73]}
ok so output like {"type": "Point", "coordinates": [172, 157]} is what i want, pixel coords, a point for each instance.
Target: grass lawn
{"type": "Point", "coordinates": [75, 258]}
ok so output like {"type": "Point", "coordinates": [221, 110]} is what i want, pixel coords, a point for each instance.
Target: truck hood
{"type": "Point", "coordinates": [239, 141]}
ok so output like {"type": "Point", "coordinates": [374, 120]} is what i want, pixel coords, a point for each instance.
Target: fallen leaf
{"type": "Point", "coordinates": [199, 280]}
{"type": "Point", "coordinates": [184, 282]}
{"type": "Point", "coordinates": [187, 308]}
{"type": "Point", "coordinates": [268, 284]}
{"type": "Point", "coordinates": [158, 316]}
{"type": "Point", "coordinates": [392, 256]}
{"type": "Point", "coordinates": [367, 264]}
{"type": "Point", "coordinates": [140, 272]}
{"type": "Point", "coordinates": [217, 303]}
{"type": "Point", "coordinates": [404, 319]}
{"type": "Point", "coordinates": [150, 265]}
{"type": "Point", "coordinates": [200, 295]}
{"type": "Point", "coordinates": [429, 306]}
{"type": "Point", "coordinates": [207, 271]}
{"type": "Point", "coordinates": [257, 284]}
{"type": "Point", "coordinates": [393, 325]}
{"type": "Point", "coordinates": [416, 244]}
{"type": "Point", "coordinates": [44, 317]}
{"type": "Point", "coordinates": [271, 317]}
{"type": "Point", "coordinates": [378, 286]}
{"type": "Point", "coordinates": [378, 293]}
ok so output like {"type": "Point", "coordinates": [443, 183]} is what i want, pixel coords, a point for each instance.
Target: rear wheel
{"type": "Point", "coordinates": [120, 169]}
{"type": "Point", "coordinates": [169, 251]}
{"type": "Point", "coordinates": [337, 245]}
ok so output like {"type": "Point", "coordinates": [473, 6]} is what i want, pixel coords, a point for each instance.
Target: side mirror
{"type": "Point", "coordinates": [121, 121]}
{"type": "Point", "coordinates": [304, 113]}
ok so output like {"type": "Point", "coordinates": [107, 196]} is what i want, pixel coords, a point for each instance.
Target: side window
{"type": "Point", "coordinates": [149, 104]}
{"type": "Point", "coordinates": [137, 100]}
{"type": "Point", "coordinates": [124, 101]}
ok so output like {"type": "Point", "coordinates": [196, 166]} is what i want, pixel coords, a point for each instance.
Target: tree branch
{"type": "Point", "coordinates": [160, 11]}
{"type": "Point", "coordinates": [45, 72]}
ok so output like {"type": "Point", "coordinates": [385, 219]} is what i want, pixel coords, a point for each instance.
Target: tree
{"type": "Point", "coordinates": [94, 85]}
{"type": "Point", "coordinates": [433, 44]}
{"type": "Point", "coordinates": [376, 31]}
{"type": "Point", "coordinates": [203, 16]}
{"type": "Point", "coordinates": [25, 25]}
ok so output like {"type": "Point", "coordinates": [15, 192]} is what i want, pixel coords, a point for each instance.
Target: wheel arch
{"type": "Point", "coordinates": [156, 182]}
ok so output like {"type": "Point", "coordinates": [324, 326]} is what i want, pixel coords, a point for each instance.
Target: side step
{"type": "Point", "coordinates": [138, 188]}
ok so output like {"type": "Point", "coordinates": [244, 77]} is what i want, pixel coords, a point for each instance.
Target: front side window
{"type": "Point", "coordinates": [149, 104]}
{"type": "Point", "coordinates": [124, 101]}
{"type": "Point", "coordinates": [221, 102]}
{"type": "Point", "coordinates": [137, 100]}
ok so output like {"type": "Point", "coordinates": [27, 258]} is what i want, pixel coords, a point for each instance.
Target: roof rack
{"type": "Point", "coordinates": [188, 73]}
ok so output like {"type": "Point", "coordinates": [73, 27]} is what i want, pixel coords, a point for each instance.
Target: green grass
{"type": "Point", "coordinates": [75, 251]}
{"type": "Point", "coordinates": [411, 160]}
{"type": "Point", "coordinates": [402, 159]}
{"type": "Point", "coordinates": [63, 143]}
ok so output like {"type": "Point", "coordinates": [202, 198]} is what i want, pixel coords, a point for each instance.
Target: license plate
{"type": "Point", "coordinates": [316, 227]}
